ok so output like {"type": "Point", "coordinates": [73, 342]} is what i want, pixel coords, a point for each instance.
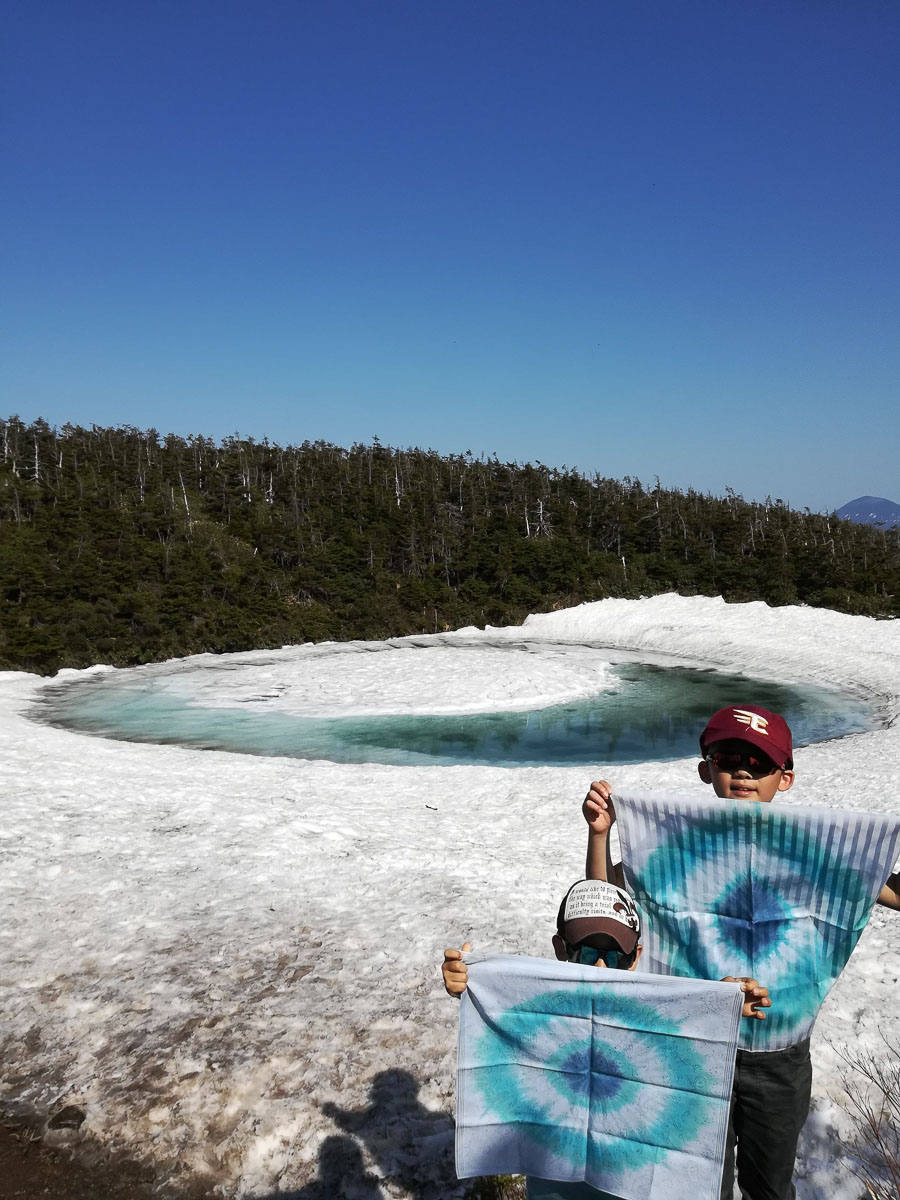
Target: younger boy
{"type": "Point", "coordinates": [598, 924]}
{"type": "Point", "coordinates": [606, 933]}
{"type": "Point", "coordinates": [747, 755]}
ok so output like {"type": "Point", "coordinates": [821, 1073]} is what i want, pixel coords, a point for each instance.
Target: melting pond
{"type": "Point", "coordinates": [649, 712]}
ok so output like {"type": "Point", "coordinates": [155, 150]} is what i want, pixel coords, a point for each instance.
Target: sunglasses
{"type": "Point", "coordinates": [589, 956]}
{"type": "Point", "coordinates": [735, 760]}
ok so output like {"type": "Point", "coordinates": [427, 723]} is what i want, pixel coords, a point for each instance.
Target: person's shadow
{"type": "Point", "coordinates": [342, 1176]}
{"type": "Point", "coordinates": [412, 1145]}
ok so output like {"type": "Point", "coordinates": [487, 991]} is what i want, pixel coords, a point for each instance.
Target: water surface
{"type": "Point", "coordinates": [655, 712]}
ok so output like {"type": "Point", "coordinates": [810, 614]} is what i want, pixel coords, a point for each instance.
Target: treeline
{"type": "Point", "coordinates": [124, 546]}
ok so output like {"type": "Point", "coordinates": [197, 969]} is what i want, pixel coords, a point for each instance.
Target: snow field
{"type": "Point", "coordinates": [228, 960]}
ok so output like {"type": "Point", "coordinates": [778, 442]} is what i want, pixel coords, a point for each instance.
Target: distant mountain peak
{"type": "Point", "coordinates": [871, 510]}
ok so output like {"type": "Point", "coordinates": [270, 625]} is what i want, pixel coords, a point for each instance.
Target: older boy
{"type": "Point", "coordinates": [747, 755]}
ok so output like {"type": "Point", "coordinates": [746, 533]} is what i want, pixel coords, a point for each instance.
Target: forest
{"type": "Point", "coordinates": [125, 546]}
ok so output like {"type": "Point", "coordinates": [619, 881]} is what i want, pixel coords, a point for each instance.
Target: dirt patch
{"type": "Point", "coordinates": [29, 1170]}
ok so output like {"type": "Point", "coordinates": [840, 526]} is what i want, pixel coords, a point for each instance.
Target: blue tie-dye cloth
{"type": "Point", "coordinates": [617, 1078]}
{"type": "Point", "coordinates": [740, 888]}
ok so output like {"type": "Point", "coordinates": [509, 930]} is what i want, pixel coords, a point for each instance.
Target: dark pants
{"type": "Point", "coordinates": [769, 1105]}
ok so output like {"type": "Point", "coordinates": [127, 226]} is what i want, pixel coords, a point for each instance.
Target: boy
{"type": "Point", "coordinates": [607, 934]}
{"type": "Point", "coordinates": [598, 924]}
{"type": "Point", "coordinates": [747, 755]}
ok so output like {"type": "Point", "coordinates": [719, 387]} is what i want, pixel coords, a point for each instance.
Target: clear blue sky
{"type": "Point", "coordinates": [637, 237]}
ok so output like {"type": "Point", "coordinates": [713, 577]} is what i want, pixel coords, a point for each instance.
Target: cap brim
{"type": "Point", "coordinates": [581, 928]}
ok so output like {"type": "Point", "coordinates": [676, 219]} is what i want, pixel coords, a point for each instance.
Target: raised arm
{"type": "Point", "coordinates": [889, 895]}
{"type": "Point", "coordinates": [599, 813]}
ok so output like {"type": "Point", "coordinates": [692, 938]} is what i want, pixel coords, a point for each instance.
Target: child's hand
{"type": "Point", "coordinates": [890, 893]}
{"type": "Point", "coordinates": [756, 997]}
{"type": "Point", "coordinates": [597, 808]}
{"type": "Point", "coordinates": [455, 971]}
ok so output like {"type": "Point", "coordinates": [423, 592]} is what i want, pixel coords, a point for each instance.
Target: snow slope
{"type": "Point", "coordinates": [232, 962]}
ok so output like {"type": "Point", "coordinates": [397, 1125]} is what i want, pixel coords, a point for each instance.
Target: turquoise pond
{"type": "Point", "coordinates": [655, 712]}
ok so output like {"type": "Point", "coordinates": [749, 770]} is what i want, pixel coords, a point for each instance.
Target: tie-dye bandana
{"type": "Point", "coordinates": [617, 1078]}
{"type": "Point", "coordinates": [739, 888]}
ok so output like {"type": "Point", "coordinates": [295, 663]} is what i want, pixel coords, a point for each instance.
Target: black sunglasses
{"type": "Point", "coordinates": [589, 956]}
{"type": "Point", "coordinates": [736, 760]}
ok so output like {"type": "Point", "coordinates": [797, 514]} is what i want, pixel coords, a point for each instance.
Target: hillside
{"type": "Point", "coordinates": [123, 546]}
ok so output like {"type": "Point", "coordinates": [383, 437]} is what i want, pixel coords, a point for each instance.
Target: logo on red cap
{"type": "Point", "coordinates": [757, 723]}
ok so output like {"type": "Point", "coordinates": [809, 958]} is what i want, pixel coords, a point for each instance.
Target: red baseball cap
{"type": "Point", "coordinates": [761, 728]}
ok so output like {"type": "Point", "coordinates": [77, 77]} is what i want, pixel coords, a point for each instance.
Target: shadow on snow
{"type": "Point", "coordinates": [411, 1145]}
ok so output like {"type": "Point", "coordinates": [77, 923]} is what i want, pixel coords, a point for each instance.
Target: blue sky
{"type": "Point", "coordinates": [640, 238]}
